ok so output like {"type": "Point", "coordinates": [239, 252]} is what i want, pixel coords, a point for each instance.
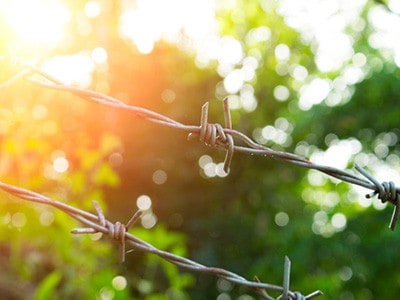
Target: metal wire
{"type": "Point", "coordinates": [216, 136]}
{"type": "Point", "coordinates": [119, 232]}
{"type": "Point", "coordinates": [213, 135]}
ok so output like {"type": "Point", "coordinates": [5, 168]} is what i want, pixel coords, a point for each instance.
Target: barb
{"type": "Point", "coordinates": [118, 231]}
{"type": "Point", "coordinates": [286, 293]}
{"type": "Point", "coordinates": [214, 135]}
{"type": "Point", "coordinates": [286, 279]}
{"type": "Point", "coordinates": [387, 192]}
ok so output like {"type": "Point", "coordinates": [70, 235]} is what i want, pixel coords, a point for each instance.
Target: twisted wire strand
{"type": "Point", "coordinates": [213, 135]}
{"type": "Point", "coordinates": [216, 136]}
{"type": "Point", "coordinates": [119, 232]}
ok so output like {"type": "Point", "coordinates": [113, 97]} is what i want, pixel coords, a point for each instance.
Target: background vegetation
{"type": "Point", "coordinates": [319, 80]}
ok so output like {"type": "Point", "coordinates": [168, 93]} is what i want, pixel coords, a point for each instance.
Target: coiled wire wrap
{"type": "Point", "coordinates": [115, 231]}
{"type": "Point", "coordinates": [214, 134]}
{"type": "Point", "coordinates": [387, 192]}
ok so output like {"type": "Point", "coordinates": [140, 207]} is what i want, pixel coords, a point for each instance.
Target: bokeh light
{"type": "Point", "coordinates": [18, 219]}
{"type": "Point", "coordinates": [149, 220]}
{"type": "Point", "coordinates": [145, 25]}
{"type": "Point", "coordinates": [115, 159]}
{"type": "Point", "coordinates": [314, 93]}
{"type": "Point", "coordinates": [345, 273]}
{"type": "Point", "coordinates": [60, 164]}
{"type": "Point", "coordinates": [281, 219]}
{"type": "Point", "coordinates": [143, 202]}
{"type": "Point", "coordinates": [159, 177]}
{"type": "Point", "coordinates": [92, 9]}
{"type": "Point", "coordinates": [36, 21]}
{"type": "Point", "coordinates": [347, 149]}
{"type": "Point", "coordinates": [46, 218]}
{"type": "Point", "coordinates": [119, 283]}
{"type": "Point", "coordinates": [339, 221]}
{"type": "Point", "coordinates": [282, 52]}
{"type": "Point", "coordinates": [211, 169]}
{"type": "Point", "coordinates": [281, 93]}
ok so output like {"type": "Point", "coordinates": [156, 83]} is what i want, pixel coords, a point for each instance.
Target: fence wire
{"type": "Point", "coordinates": [214, 135]}
{"type": "Point", "coordinates": [217, 136]}
{"type": "Point", "coordinates": [119, 232]}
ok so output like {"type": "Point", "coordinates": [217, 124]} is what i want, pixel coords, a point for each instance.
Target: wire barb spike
{"type": "Point", "coordinates": [215, 135]}
{"type": "Point", "coordinates": [229, 138]}
{"type": "Point", "coordinates": [116, 231]}
{"type": "Point", "coordinates": [286, 279]}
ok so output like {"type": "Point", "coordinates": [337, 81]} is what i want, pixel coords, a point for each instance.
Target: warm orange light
{"type": "Point", "coordinates": [35, 22]}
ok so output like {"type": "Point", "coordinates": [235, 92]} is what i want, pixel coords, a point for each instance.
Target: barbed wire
{"type": "Point", "coordinates": [217, 136]}
{"type": "Point", "coordinates": [119, 232]}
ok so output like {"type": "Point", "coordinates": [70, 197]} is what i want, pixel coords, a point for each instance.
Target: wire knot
{"type": "Point", "coordinates": [214, 135]}
{"type": "Point", "coordinates": [115, 231]}
{"type": "Point", "coordinates": [293, 296]}
{"type": "Point", "coordinates": [386, 191]}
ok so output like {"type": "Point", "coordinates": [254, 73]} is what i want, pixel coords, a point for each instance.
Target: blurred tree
{"type": "Point", "coordinates": [328, 92]}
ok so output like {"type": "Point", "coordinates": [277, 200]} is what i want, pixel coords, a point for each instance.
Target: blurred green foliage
{"type": "Point", "coordinates": [245, 222]}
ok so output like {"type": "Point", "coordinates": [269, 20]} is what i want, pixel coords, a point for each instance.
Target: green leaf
{"type": "Point", "coordinates": [46, 287]}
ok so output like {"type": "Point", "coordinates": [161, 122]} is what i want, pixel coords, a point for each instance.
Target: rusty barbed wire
{"type": "Point", "coordinates": [119, 232]}
{"type": "Point", "coordinates": [216, 136]}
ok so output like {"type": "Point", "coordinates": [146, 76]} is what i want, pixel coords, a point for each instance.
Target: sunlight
{"type": "Point", "coordinates": [149, 21]}
{"type": "Point", "coordinates": [92, 9]}
{"type": "Point", "coordinates": [325, 25]}
{"type": "Point", "coordinates": [346, 148]}
{"type": "Point", "coordinates": [314, 93]}
{"type": "Point", "coordinates": [74, 69]}
{"type": "Point", "coordinates": [60, 164]}
{"type": "Point", "coordinates": [387, 30]}
{"type": "Point", "coordinates": [36, 21]}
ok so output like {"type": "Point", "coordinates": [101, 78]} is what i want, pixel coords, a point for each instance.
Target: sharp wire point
{"type": "Point", "coordinates": [286, 279]}
{"type": "Point", "coordinates": [395, 216]}
{"type": "Point", "coordinates": [134, 219]}
{"type": "Point", "coordinates": [99, 212]}
{"type": "Point", "coordinates": [203, 121]}
{"type": "Point", "coordinates": [229, 138]}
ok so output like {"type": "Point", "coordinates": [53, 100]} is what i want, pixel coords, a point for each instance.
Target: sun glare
{"type": "Point", "coordinates": [35, 21]}
{"type": "Point", "coordinates": [149, 21]}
